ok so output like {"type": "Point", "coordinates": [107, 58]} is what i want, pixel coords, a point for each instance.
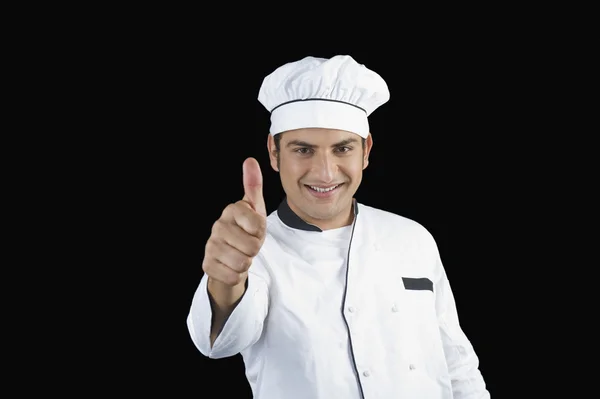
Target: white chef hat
{"type": "Point", "coordinates": [335, 93]}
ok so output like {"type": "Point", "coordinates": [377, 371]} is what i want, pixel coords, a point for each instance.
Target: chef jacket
{"type": "Point", "coordinates": [360, 312]}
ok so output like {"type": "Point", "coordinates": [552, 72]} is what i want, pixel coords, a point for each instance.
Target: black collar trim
{"type": "Point", "coordinates": [290, 219]}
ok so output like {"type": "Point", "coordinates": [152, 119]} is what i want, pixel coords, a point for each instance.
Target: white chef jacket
{"type": "Point", "coordinates": [361, 312]}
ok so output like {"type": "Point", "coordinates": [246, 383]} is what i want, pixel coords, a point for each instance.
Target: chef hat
{"type": "Point", "coordinates": [335, 93]}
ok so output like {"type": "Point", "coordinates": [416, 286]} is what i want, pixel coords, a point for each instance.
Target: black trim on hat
{"type": "Point", "coordinates": [290, 219]}
{"type": "Point", "coordinates": [319, 99]}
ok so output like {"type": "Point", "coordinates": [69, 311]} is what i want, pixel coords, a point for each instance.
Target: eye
{"type": "Point", "coordinates": [303, 150]}
{"type": "Point", "coordinates": [343, 149]}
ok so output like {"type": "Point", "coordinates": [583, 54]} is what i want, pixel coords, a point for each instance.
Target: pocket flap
{"type": "Point", "coordinates": [411, 283]}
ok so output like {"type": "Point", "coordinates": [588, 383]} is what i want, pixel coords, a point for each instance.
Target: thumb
{"type": "Point", "coordinates": [253, 186]}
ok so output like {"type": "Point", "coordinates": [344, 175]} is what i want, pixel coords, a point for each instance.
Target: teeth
{"type": "Point", "coordinates": [323, 190]}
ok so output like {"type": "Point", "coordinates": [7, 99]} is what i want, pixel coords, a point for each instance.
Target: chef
{"type": "Point", "coordinates": [326, 297]}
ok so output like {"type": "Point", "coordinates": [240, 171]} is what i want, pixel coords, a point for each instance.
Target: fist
{"type": "Point", "coordinates": [238, 235]}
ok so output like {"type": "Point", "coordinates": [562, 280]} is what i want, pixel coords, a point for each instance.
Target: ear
{"type": "Point", "coordinates": [272, 152]}
{"type": "Point", "coordinates": [367, 150]}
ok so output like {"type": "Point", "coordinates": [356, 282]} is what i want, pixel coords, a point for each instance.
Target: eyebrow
{"type": "Point", "coordinates": [301, 143]}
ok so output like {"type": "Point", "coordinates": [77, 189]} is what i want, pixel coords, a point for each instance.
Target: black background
{"type": "Point", "coordinates": [440, 156]}
{"type": "Point", "coordinates": [125, 136]}
{"type": "Point", "coordinates": [452, 150]}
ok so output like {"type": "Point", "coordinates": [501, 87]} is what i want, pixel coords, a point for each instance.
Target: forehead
{"type": "Point", "coordinates": [318, 136]}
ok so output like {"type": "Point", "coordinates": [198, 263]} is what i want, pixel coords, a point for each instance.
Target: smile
{"type": "Point", "coordinates": [323, 189]}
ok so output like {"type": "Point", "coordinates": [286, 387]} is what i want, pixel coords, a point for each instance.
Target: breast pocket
{"type": "Point", "coordinates": [418, 300]}
{"type": "Point", "coordinates": [420, 317]}
{"type": "Point", "coordinates": [417, 283]}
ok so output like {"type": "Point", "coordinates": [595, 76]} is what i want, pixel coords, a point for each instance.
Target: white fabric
{"type": "Point", "coordinates": [334, 93]}
{"type": "Point", "coordinates": [290, 326]}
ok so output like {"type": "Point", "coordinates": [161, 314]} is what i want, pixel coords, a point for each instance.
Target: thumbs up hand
{"type": "Point", "coordinates": [238, 235]}
{"type": "Point", "coordinates": [253, 182]}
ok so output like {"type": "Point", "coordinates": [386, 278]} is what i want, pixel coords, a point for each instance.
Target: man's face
{"type": "Point", "coordinates": [320, 171]}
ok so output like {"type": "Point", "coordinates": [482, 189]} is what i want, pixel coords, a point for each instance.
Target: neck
{"type": "Point", "coordinates": [290, 215]}
{"type": "Point", "coordinates": [344, 219]}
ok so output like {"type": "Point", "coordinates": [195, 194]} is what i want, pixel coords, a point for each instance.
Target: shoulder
{"type": "Point", "coordinates": [390, 220]}
{"type": "Point", "coordinates": [385, 224]}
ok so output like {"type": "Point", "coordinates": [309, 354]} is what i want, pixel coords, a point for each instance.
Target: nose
{"type": "Point", "coordinates": [325, 167]}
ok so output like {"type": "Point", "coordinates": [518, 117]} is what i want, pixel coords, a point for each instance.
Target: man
{"type": "Point", "coordinates": [325, 297]}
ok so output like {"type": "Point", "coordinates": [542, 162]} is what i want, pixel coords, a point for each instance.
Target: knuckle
{"type": "Point", "coordinates": [217, 228]}
{"type": "Point", "coordinates": [241, 204]}
{"type": "Point", "coordinates": [208, 248]}
{"type": "Point", "coordinates": [228, 211]}
{"type": "Point", "coordinates": [261, 226]}
{"type": "Point", "coordinates": [212, 247]}
{"type": "Point", "coordinates": [238, 207]}
{"type": "Point", "coordinates": [207, 267]}
{"type": "Point", "coordinates": [241, 277]}
{"type": "Point", "coordinates": [232, 278]}
{"type": "Point", "coordinates": [255, 246]}
{"type": "Point", "coordinates": [246, 262]}
{"type": "Point", "coordinates": [253, 224]}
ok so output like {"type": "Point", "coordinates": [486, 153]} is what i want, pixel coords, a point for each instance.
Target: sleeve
{"type": "Point", "coordinates": [462, 361]}
{"type": "Point", "coordinates": [243, 327]}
